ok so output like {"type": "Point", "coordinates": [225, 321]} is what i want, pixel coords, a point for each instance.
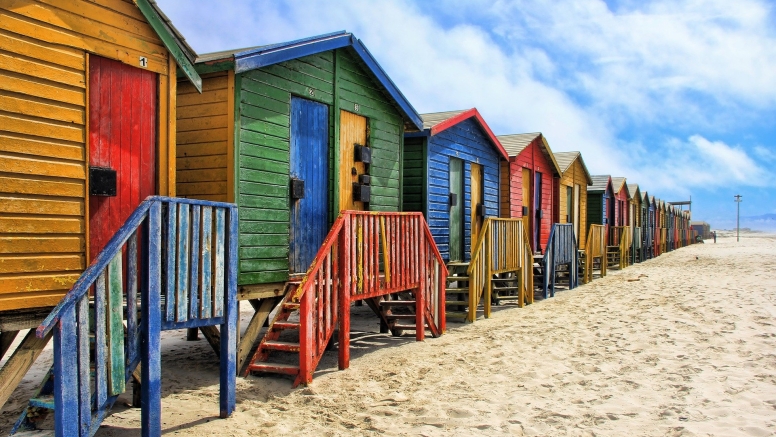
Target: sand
{"type": "Point", "coordinates": [685, 350]}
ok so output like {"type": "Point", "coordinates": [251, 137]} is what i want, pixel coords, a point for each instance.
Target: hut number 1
{"type": "Point", "coordinates": [143, 62]}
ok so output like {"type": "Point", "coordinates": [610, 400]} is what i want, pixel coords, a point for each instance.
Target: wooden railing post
{"type": "Point", "coordinates": [66, 370]}
{"type": "Point", "coordinates": [345, 260]}
{"type": "Point", "coordinates": [151, 387]}
{"type": "Point", "coordinates": [229, 337]}
{"type": "Point", "coordinates": [488, 230]}
{"type": "Point", "coordinates": [420, 296]}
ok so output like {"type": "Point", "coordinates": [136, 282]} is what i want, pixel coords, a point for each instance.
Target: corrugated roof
{"type": "Point", "coordinates": [438, 122]}
{"type": "Point", "coordinates": [179, 39]}
{"type": "Point", "coordinates": [618, 183]}
{"type": "Point", "coordinates": [516, 143]}
{"type": "Point", "coordinates": [434, 118]}
{"type": "Point", "coordinates": [565, 159]}
{"type": "Point", "coordinates": [599, 183]}
{"type": "Point", "coordinates": [261, 56]}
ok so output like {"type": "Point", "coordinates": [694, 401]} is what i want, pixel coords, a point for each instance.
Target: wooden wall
{"type": "Point", "coordinates": [43, 141]}
{"type": "Point", "coordinates": [205, 138]}
{"type": "Point", "coordinates": [504, 192]}
{"type": "Point", "coordinates": [414, 186]}
{"type": "Point", "coordinates": [622, 207]}
{"type": "Point", "coordinates": [532, 158]}
{"type": "Point", "coordinates": [338, 79]}
{"type": "Point", "coordinates": [575, 174]}
{"type": "Point", "coordinates": [468, 142]}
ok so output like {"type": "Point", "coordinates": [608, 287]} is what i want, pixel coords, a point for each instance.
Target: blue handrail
{"type": "Point", "coordinates": [200, 286]}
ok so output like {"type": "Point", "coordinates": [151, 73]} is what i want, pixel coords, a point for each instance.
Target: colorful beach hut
{"type": "Point", "coordinates": [87, 134]}
{"type": "Point", "coordinates": [451, 175]}
{"type": "Point", "coordinates": [636, 218]}
{"type": "Point", "coordinates": [303, 136]}
{"type": "Point", "coordinates": [531, 172]}
{"type": "Point", "coordinates": [600, 202]}
{"type": "Point", "coordinates": [572, 193]}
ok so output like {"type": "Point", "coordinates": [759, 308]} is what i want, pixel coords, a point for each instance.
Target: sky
{"type": "Point", "coordinates": [678, 96]}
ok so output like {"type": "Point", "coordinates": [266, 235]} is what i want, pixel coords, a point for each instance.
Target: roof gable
{"type": "Point", "coordinates": [618, 184]}
{"type": "Point", "coordinates": [172, 39]}
{"type": "Point", "coordinates": [566, 160]}
{"type": "Point", "coordinates": [262, 56]}
{"type": "Point", "coordinates": [515, 144]}
{"type": "Point", "coordinates": [438, 122]}
{"type": "Point", "coordinates": [601, 183]}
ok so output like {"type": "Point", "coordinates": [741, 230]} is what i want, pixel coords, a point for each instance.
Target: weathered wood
{"type": "Point", "coordinates": [18, 320]}
{"type": "Point", "coordinates": [19, 363]}
{"type": "Point", "coordinates": [251, 338]}
{"type": "Point", "coordinates": [260, 291]}
{"type": "Point", "coordinates": [6, 339]}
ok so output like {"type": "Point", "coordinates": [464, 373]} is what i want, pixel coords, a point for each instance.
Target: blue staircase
{"type": "Point", "coordinates": [172, 265]}
{"type": "Point", "coordinates": [561, 249]}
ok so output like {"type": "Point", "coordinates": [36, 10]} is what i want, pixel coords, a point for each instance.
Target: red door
{"type": "Point", "coordinates": [122, 137]}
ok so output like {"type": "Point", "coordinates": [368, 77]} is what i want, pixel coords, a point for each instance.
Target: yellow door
{"type": "Point", "coordinates": [352, 132]}
{"type": "Point", "coordinates": [527, 195]}
{"type": "Point", "coordinates": [476, 184]}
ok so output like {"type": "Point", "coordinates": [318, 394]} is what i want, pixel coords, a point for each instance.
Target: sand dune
{"type": "Point", "coordinates": [687, 350]}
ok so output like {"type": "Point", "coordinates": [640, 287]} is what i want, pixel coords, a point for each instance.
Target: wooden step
{"type": "Point", "coordinates": [509, 298]}
{"type": "Point", "coordinates": [285, 346]}
{"type": "Point", "coordinates": [394, 303]}
{"type": "Point", "coordinates": [512, 279]}
{"type": "Point", "coordinates": [457, 264]}
{"type": "Point", "coordinates": [285, 369]}
{"type": "Point", "coordinates": [407, 327]}
{"type": "Point", "coordinates": [456, 302]}
{"type": "Point", "coordinates": [457, 278]}
{"type": "Point", "coordinates": [285, 325]}
{"type": "Point", "coordinates": [43, 402]}
{"type": "Point", "coordinates": [505, 288]}
{"type": "Point", "coordinates": [400, 316]}
{"type": "Point", "coordinates": [457, 290]}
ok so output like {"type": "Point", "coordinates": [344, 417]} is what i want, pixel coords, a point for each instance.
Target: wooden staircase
{"type": "Point", "coordinates": [388, 260]}
{"type": "Point", "coordinates": [110, 321]}
{"type": "Point", "coordinates": [506, 287]}
{"type": "Point", "coordinates": [457, 291]}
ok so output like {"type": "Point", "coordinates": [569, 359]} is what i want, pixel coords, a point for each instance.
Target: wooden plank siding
{"type": "Point", "coordinates": [44, 47]}
{"type": "Point", "coordinates": [533, 158]}
{"type": "Point", "coordinates": [466, 141]}
{"type": "Point", "coordinates": [574, 175]}
{"type": "Point", "coordinates": [414, 192]}
{"type": "Point", "coordinates": [202, 137]}
{"type": "Point", "coordinates": [261, 127]}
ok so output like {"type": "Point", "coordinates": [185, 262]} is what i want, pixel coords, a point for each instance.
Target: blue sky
{"type": "Point", "coordinates": [678, 96]}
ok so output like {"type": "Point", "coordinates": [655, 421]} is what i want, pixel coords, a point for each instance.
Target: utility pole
{"type": "Point", "coordinates": [738, 215]}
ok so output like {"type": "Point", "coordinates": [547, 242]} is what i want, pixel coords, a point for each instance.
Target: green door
{"type": "Point", "coordinates": [456, 210]}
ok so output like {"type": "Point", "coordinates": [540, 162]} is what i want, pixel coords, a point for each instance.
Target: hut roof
{"type": "Point", "coordinates": [634, 189]}
{"type": "Point", "coordinates": [565, 159]}
{"type": "Point", "coordinates": [172, 39]}
{"type": "Point", "coordinates": [600, 182]}
{"type": "Point", "coordinates": [261, 56]}
{"type": "Point", "coordinates": [618, 183]}
{"type": "Point", "coordinates": [514, 144]}
{"type": "Point", "coordinates": [438, 122]}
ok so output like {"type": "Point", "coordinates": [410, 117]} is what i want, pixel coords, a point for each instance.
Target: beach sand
{"type": "Point", "coordinates": [688, 349]}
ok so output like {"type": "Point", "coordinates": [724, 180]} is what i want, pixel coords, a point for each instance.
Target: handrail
{"type": "Point", "coordinates": [197, 275]}
{"type": "Point", "coordinates": [498, 250]}
{"type": "Point", "coordinates": [349, 266]}
{"type": "Point", "coordinates": [561, 249]}
{"type": "Point", "coordinates": [595, 247]}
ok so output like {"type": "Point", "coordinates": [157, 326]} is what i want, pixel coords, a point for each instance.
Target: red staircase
{"type": "Point", "coordinates": [388, 260]}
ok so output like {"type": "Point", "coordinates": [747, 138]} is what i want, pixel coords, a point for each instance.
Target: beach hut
{"type": "Point", "coordinates": [299, 135]}
{"type": "Point", "coordinates": [572, 193]}
{"type": "Point", "coordinates": [619, 244]}
{"type": "Point", "coordinates": [87, 134]}
{"type": "Point", "coordinates": [531, 172]}
{"type": "Point", "coordinates": [636, 217]}
{"type": "Point", "coordinates": [451, 175]}
{"type": "Point", "coordinates": [600, 202]}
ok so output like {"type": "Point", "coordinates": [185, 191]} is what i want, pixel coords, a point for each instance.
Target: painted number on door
{"type": "Point", "coordinates": [311, 92]}
{"type": "Point", "coordinates": [356, 107]}
{"type": "Point", "coordinates": [143, 62]}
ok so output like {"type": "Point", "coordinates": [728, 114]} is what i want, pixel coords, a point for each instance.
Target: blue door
{"type": "Point", "coordinates": [309, 181]}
